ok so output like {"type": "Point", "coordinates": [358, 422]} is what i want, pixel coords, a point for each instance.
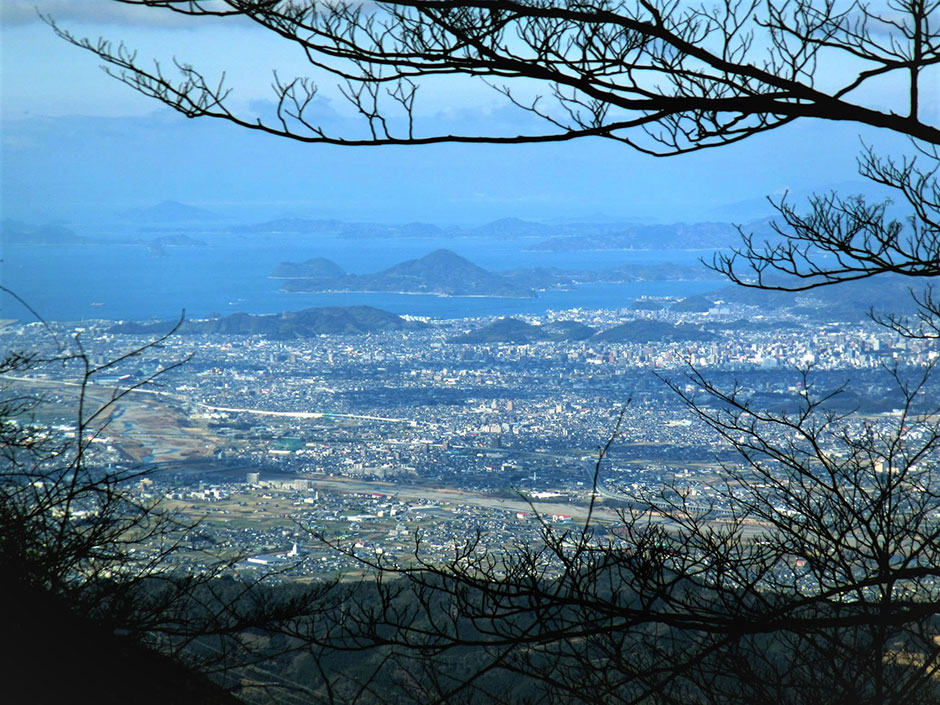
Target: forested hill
{"type": "Point", "coordinates": [329, 320]}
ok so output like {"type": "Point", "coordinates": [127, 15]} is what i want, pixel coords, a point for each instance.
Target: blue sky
{"type": "Point", "coordinates": [78, 145]}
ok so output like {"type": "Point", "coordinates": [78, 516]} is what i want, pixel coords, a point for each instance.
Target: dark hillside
{"type": "Point", "coordinates": [57, 657]}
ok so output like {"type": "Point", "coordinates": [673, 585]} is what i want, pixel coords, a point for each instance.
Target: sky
{"type": "Point", "coordinates": [78, 145]}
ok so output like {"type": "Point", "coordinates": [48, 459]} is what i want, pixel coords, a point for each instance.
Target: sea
{"type": "Point", "coordinates": [231, 273]}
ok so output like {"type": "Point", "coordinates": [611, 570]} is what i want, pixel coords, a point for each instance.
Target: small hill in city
{"type": "Point", "coordinates": [505, 330]}
{"type": "Point", "coordinates": [569, 330]}
{"type": "Point", "coordinates": [328, 320]}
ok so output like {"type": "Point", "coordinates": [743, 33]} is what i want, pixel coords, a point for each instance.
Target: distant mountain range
{"type": "Point", "coordinates": [169, 212]}
{"type": "Point", "coordinates": [672, 236]}
{"type": "Point", "coordinates": [555, 237]}
{"type": "Point", "coordinates": [13, 232]}
{"type": "Point", "coordinates": [330, 320]}
{"type": "Point", "coordinates": [445, 273]}
{"type": "Point", "coordinates": [505, 227]}
{"type": "Point", "coordinates": [293, 225]}
{"type": "Point", "coordinates": [338, 228]}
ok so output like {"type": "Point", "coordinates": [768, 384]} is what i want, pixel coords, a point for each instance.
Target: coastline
{"type": "Point", "coordinates": [438, 294]}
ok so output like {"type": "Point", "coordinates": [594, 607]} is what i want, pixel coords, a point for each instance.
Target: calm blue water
{"type": "Point", "coordinates": [231, 274]}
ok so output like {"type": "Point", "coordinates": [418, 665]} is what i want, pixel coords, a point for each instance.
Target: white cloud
{"type": "Point", "coordinates": [18, 12]}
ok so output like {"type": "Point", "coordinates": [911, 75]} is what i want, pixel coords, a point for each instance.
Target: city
{"type": "Point", "coordinates": [365, 441]}
{"type": "Point", "coordinates": [470, 353]}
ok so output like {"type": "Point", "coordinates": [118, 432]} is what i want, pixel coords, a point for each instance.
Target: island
{"type": "Point", "coordinates": [440, 273]}
{"type": "Point", "coordinates": [445, 273]}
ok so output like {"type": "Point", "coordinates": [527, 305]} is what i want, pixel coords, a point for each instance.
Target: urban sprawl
{"type": "Point", "coordinates": [392, 442]}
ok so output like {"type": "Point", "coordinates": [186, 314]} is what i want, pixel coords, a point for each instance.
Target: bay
{"type": "Point", "coordinates": [231, 273]}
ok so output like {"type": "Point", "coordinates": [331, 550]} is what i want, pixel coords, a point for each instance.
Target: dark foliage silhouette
{"type": "Point", "coordinates": [812, 577]}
